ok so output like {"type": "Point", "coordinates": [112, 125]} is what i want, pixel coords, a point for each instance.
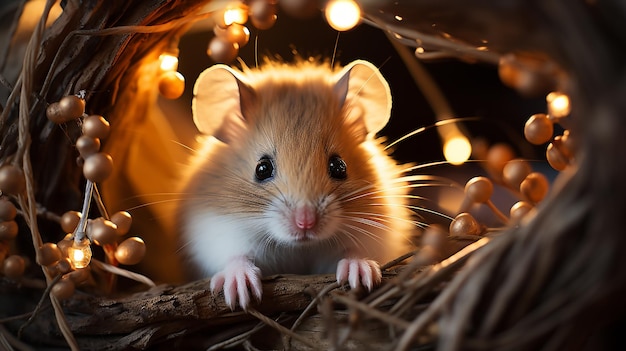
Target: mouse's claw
{"type": "Point", "coordinates": [357, 271]}
{"type": "Point", "coordinates": [237, 279]}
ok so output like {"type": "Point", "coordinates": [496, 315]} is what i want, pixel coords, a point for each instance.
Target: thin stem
{"type": "Point", "coordinates": [81, 229]}
{"type": "Point", "coordinates": [272, 323]}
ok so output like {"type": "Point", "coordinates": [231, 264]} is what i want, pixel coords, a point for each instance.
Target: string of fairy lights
{"type": "Point", "coordinates": [231, 33]}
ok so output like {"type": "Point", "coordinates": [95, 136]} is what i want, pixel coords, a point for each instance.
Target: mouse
{"type": "Point", "coordinates": [290, 177]}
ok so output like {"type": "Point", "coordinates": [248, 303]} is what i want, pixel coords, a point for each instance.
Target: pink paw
{"type": "Point", "coordinates": [358, 271]}
{"type": "Point", "coordinates": [237, 279]}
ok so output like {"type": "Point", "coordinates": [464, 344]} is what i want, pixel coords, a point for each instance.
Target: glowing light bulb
{"type": "Point", "coordinates": [558, 104]}
{"type": "Point", "coordinates": [80, 253]}
{"type": "Point", "coordinates": [342, 14]}
{"type": "Point", "coordinates": [235, 15]}
{"type": "Point", "coordinates": [169, 62]}
{"type": "Point", "coordinates": [457, 150]}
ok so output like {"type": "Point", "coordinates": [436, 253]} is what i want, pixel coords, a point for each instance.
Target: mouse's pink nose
{"type": "Point", "coordinates": [305, 217]}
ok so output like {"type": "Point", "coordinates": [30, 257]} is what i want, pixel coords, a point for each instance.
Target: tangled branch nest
{"type": "Point", "coordinates": [555, 283]}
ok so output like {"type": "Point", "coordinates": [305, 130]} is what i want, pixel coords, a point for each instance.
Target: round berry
{"type": "Point", "coordinates": [556, 158]}
{"type": "Point", "coordinates": [123, 221]}
{"type": "Point", "coordinates": [464, 224]}
{"type": "Point", "coordinates": [8, 212]}
{"type": "Point", "coordinates": [8, 230]}
{"type": "Point", "coordinates": [538, 129]}
{"type": "Point", "coordinates": [519, 210]}
{"type": "Point", "coordinates": [534, 187]}
{"type": "Point", "coordinates": [87, 145]}
{"type": "Point", "coordinates": [49, 254]}
{"type": "Point", "coordinates": [130, 251]}
{"type": "Point", "coordinates": [479, 189]}
{"type": "Point", "coordinates": [69, 221]}
{"type": "Point", "coordinates": [12, 180]}
{"type": "Point", "coordinates": [515, 171]}
{"type": "Point", "coordinates": [262, 14]}
{"type": "Point", "coordinates": [171, 85]}
{"type": "Point", "coordinates": [498, 155]}
{"type": "Point", "coordinates": [63, 289]}
{"type": "Point", "coordinates": [102, 232]}
{"type": "Point", "coordinates": [98, 167]}
{"type": "Point", "coordinates": [14, 266]}
{"type": "Point", "coordinates": [222, 50]}
{"type": "Point", "coordinates": [96, 127]}
{"type": "Point", "coordinates": [68, 108]}
{"type": "Point", "coordinates": [63, 266]}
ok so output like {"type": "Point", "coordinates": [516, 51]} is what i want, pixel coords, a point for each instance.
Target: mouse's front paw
{"type": "Point", "coordinates": [357, 271]}
{"type": "Point", "coordinates": [237, 279]}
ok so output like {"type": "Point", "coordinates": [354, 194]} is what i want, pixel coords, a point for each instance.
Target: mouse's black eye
{"type": "Point", "coordinates": [337, 168]}
{"type": "Point", "coordinates": [264, 169]}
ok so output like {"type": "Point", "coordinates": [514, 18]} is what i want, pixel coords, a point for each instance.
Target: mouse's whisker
{"type": "Point", "coordinates": [153, 203]}
{"type": "Point", "coordinates": [350, 236]}
{"type": "Point", "coordinates": [183, 246]}
{"type": "Point", "coordinates": [428, 210]}
{"type": "Point", "coordinates": [351, 231]}
{"type": "Point", "coordinates": [368, 223]}
{"type": "Point", "coordinates": [398, 196]}
{"type": "Point", "coordinates": [414, 208]}
{"type": "Point", "coordinates": [356, 192]}
{"type": "Point", "coordinates": [434, 125]}
{"type": "Point", "coordinates": [382, 217]}
{"type": "Point", "coordinates": [237, 196]}
{"type": "Point", "coordinates": [426, 178]}
{"type": "Point", "coordinates": [334, 242]}
{"type": "Point", "coordinates": [419, 185]}
{"type": "Point", "coordinates": [361, 194]}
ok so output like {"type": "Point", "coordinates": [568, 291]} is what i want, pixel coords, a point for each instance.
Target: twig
{"type": "Point", "coordinates": [270, 322]}
{"type": "Point", "coordinates": [4, 343]}
{"type": "Point", "coordinates": [395, 262]}
{"type": "Point", "coordinates": [313, 303]}
{"type": "Point", "coordinates": [236, 340]}
{"type": "Point", "coordinates": [39, 306]}
{"type": "Point", "coordinates": [443, 299]}
{"type": "Point", "coordinates": [124, 273]}
{"type": "Point", "coordinates": [16, 317]}
{"type": "Point", "coordinates": [63, 325]}
{"type": "Point", "coordinates": [98, 198]}
{"type": "Point", "coordinates": [370, 311]}
{"type": "Point", "coordinates": [10, 343]}
{"type": "Point", "coordinates": [429, 276]}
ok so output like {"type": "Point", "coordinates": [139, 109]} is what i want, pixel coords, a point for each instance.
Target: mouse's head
{"type": "Point", "coordinates": [298, 142]}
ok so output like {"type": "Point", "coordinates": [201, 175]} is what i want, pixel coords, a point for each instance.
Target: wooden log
{"type": "Point", "coordinates": [164, 313]}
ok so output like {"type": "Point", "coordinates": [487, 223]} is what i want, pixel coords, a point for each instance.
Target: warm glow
{"type": "Point", "coordinates": [169, 62]}
{"type": "Point", "coordinates": [235, 15]}
{"type": "Point", "coordinates": [558, 104]}
{"type": "Point", "coordinates": [457, 150]}
{"type": "Point", "coordinates": [80, 253]}
{"type": "Point", "coordinates": [343, 14]}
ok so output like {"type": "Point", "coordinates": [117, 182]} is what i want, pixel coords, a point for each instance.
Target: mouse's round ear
{"type": "Point", "coordinates": [366, 94]}
{"type": "Point", "coordinates": [217, 101]}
